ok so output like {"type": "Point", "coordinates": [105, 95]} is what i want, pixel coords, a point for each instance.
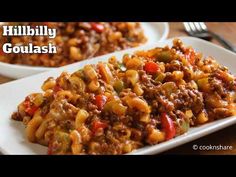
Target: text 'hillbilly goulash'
{"type": "Point", "coordinates": [74, 41]}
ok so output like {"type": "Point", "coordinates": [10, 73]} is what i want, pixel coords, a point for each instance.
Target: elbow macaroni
{"type": "Point", "coordinates": [32, 126]}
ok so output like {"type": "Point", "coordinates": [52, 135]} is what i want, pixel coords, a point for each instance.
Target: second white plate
{"type": "Point", "coordinates": [154, 32]}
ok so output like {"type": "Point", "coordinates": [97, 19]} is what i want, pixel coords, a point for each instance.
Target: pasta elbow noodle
{"type": "Point", "coordinates": [106, 73]}
{"type": "Point", "coordinates": [76, 146]}
{"type": "Point", "coordinates": [155, 136]}
{"type": "Point", "coordinates": [132, 76]}
{"type": "Point", "coordinates": [81, 117]}
{"type": "Point", "coordinates": [138, 104]}
{"type": "Point", "coordinates": [138, 90]}
{"type": "Point", "coordinates": [32, 126]}
{"type": "Point", "coordinates": [90, 72]}
{"type": "Point", "coordinates": [134, 63]}
{"type": "Point", "coordinates": [65, 94]}
{"type": "Point", "coordinates": [75, 53]}
{"type": "Point", "coordinates": [94, 85]}
{"type": "Point", "coordinates": [41, 130]}
{"type": "Point", "coordinates": [49, 84]}
{"type": "Point", "coordinates": [77, 83]}
{"type": "Point", "coordinates": [94, 147]}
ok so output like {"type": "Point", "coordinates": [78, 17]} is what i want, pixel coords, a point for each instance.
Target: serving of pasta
{"type": "Point", "coordinates": [115, 107]}
{"type": "Point", "coordinates": [75, 41]}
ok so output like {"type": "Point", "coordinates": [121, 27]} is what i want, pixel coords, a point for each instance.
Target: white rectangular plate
{"type": "Point", "coordinates": [12, 137]}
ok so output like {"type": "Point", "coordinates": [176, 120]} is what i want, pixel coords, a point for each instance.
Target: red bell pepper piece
{"type": "Point", "coordinates": [30, 108]}
{"type": "Point", "coordinates": [168, 126]}
{"type": "Point", "coordinates": [100, 101]}
{"type": "Point", "coordinates": [99, 28]}
{"type": "Point", "coordinates": [151, 67]}
{"type": "Point", "coordinates": [98, 124]}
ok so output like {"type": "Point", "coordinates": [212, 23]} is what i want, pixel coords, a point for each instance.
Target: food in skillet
{"type": "Point", "coordinates": [116, 107]}
{"type": "Point", "coordinates": [75, 41]}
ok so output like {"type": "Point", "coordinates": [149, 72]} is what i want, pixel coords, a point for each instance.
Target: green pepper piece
{"type": "Point", "coordinates": [118, 86]}
{"type": "Point", "coordinates": [164, 56]}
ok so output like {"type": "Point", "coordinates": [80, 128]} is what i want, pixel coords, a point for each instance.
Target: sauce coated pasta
{"type": "Point", "coordinates": [116, 107]}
